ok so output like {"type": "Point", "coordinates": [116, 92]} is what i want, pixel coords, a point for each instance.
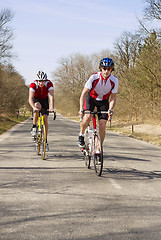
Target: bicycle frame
{"type": "Point", "coordinates": [40, 121]}
{"type": "Point", "coordinates": [41, 137]}
{"type": "Point", "coordinates": [94, 121]}
{"type": "Point", "coordinates": [93, 146]}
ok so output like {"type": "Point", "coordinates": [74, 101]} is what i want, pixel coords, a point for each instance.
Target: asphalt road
{"type": "Point", "coordinates": [59, 198]}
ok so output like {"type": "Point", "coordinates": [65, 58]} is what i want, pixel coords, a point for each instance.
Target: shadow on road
{"type": "Point", "coordinates": [130, 174]}
{"type": "Point", "coordinates": [124, 158]}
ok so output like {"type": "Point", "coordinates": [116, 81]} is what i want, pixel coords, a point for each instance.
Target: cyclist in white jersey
{"type": "Point", "coordinates": [99, 91]}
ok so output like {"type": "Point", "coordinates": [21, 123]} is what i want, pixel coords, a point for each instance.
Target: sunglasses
{"type": "Point", "coordinates": [107, 68]}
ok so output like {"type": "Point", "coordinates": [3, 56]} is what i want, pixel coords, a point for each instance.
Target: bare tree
{"type": "Point", "coordinates": [6, 34]}
{"type": "Point", "coordinates": [126, 50]}
{"type": "Point", "coordinates": [13, 91]}
{"type": "Point", "coordinates": [71, 76]}
{"type": "Point", "coordinates": [153, 10]}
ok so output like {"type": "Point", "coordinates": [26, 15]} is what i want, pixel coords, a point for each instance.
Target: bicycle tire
{"type": "Point", "coordinates": [97, 158]}
{"type": "Point", "coordinates": [43, 142]}
{"type": "Point", "coordinates": [38, 141]}
{"type": "Point", "coordinates": [87, 157]}
{"type": "Point", "coordinates": [87, 152]}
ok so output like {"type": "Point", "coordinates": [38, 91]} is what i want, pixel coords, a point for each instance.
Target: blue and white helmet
{"type": "Point", "coordinates": [42, 76]}
{"type": "Point", "coordinates": [107, 62]}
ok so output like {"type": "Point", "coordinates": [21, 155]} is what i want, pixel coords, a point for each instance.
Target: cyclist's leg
{"type": "Point", "coordinates": [103, 106]}
{"type": "Point", "coordinates": [36, 114]}
{"type": "Point", "coordinates": [35, 117]}
{"type": "Point", "coordinates": [84, 124]}
{"type": "Point", "coordinates": [102, 129]}
{"type": "Point", "coordinates": [89, 105]}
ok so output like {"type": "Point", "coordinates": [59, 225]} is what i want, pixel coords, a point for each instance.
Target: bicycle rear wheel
{"type": "Point", "coordinates": [97, 152]}
{"type": "Point", "coordinates": [43, 142]}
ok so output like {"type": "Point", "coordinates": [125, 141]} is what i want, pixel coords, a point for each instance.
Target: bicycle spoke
{"type": "Point", "coordinates": [93, 148]}
{"type": "Point", "coordinates": [97, 152]}
{"type": "Point", "coordinates": [87, 149]}
{"type": "Point", "coordinates": [38, 141]}
{"type": "Point", "coordinates": [87, 157]}
{"type": "Point", "coordinates": [43, 142]}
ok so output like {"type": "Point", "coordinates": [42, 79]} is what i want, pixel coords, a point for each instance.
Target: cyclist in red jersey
{"type": "Point", "coordinates": [99, 91]}
{"type": "Point", "coordinates": [41, 98]}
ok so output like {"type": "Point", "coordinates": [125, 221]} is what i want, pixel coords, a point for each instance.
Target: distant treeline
{"type": "Point", "coordinates": [13, 91]}
{"type": "Point", "coordinates": [137, 58]}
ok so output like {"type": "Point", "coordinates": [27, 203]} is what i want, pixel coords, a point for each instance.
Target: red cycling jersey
{"type": "Point", "coordinates": [41, 92]}
{"type": "Point", "coordinates": [101, 88]}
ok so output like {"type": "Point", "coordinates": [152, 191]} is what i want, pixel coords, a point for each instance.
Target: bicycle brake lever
{"type": "Point", "coordinates": [81, 119]}
{"type": "Point", "coordinates": [54, 115]}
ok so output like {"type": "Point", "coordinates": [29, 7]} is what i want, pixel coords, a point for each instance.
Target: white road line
{"type": "Point", "coordinates": [114, 183]}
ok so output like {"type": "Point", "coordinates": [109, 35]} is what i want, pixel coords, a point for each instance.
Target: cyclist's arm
{"type": "Point", "coordinates": [112, 101]}
{"type": "Point", "coordinates": [83, 97]}
{"type": "Point", "coordinates": [31, 97]}
{"type": "Point", "coordinates": [51, 100]}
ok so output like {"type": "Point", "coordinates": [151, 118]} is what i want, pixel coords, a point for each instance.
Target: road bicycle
{"type": "Point", "coordinates": [93, 148]}
{"type": "Point", "coordinates": [40, 138]}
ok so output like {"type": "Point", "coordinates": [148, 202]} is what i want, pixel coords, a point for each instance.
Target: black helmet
{"type": "Point", "coordinates": [107, 62]}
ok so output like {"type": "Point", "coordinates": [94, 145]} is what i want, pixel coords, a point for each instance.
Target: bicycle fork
{"type": "Point", "coordinates": [39, 126]}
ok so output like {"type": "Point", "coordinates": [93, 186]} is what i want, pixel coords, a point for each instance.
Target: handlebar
{"type": "Point", "coordinates": [54, 114]}
{"type": "Point", "coordinates": [96, 112]}
{"type": "Point", "coordinates": [49, 112]}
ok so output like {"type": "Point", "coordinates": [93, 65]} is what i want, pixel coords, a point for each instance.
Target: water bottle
{"type": "Point", "coordinates": [90, 136]}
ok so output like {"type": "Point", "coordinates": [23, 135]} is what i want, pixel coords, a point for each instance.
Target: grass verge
{"type": "Point", "coordinates": [7, 122]}
{"type": "Point", "coordinates": [125, 128]}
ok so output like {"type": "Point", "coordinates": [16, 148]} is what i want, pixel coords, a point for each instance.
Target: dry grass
{"type": "Point", "coordinates": [7, 122]}
{"type": "Point", "coordinates": [143, 131]}
{"type": "Point", "coordinates": [147, 132]}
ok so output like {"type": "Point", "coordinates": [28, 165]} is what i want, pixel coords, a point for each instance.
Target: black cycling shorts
{"type": "Point", "coordinates": [91, 103]}
{"type": "Point", "coordinates": [44, 105]}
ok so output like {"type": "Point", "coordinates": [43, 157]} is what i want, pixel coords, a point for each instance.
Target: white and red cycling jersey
{"type": "Point", "coordinates": [101, 88]}
{"type": "Point", "coordinates": [41, 92]}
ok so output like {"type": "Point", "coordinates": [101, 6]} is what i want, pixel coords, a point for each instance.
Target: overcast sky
{"type": "Point", "coordinates": [47, 30]}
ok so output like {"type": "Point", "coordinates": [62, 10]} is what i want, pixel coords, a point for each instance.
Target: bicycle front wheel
{"type": "Point", "coordinates": [87, 157]}
{"type": "Point", "coordinates": [38, 141]}
{"type": "Point", "coordinates": [43, 142]}
{"type": "Point", "coordinates": [97, 152]}
{"type": "Point", "coordinates": [87, 150]}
